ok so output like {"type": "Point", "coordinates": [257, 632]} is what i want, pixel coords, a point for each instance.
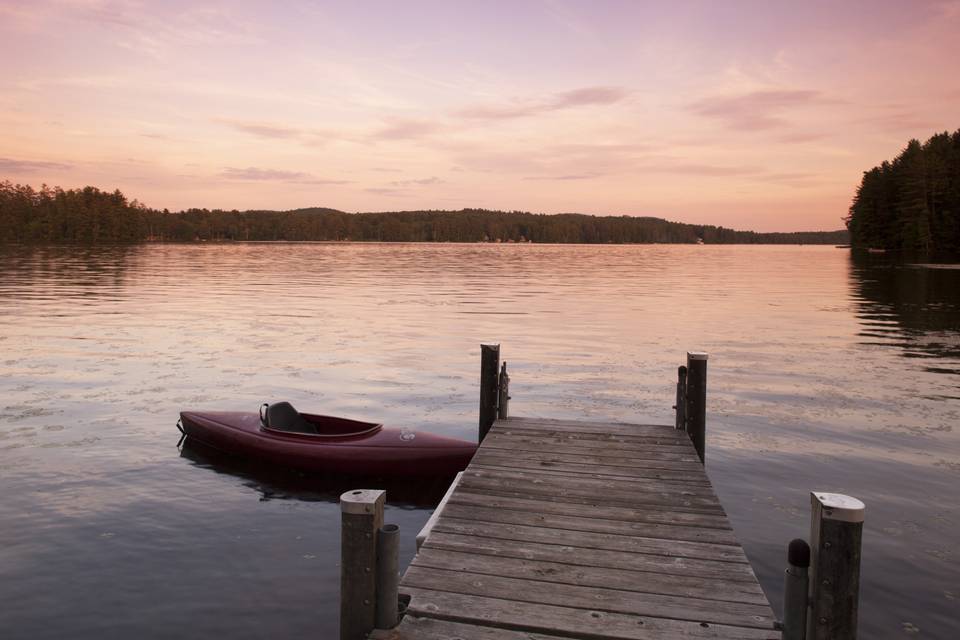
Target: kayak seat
{"type": "Point", "coordinates": [283, 417]}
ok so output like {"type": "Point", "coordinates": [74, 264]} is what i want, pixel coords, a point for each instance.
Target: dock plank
{"type": "Point", "coordinates": [587, 529]}
{"type": "Point", "coordinates": [646, 554]}
{"type": "Point", "coordinates": [588, 624]}
{"type": "Point", "coordinates": [494, 515]}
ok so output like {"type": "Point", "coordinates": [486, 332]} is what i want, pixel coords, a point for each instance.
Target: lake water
{"type": "Point", "coordinates": [825, 373]}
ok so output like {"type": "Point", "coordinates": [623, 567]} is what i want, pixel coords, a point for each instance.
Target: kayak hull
{"type": "Point", "coordinates": [379, 451]}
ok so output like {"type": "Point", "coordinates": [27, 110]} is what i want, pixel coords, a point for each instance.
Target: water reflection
{"type": "Point", "coordinates": [913, 306]}
{"type": "Point", "coordinates": [277, 483]}
{"type": "Point", "coordinates": [826, 372]}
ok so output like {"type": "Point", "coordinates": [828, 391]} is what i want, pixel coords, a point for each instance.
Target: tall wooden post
{"type": "Point", "coordinates": [836, 531]}
{"type": "Point", "coordinates": [697, 400]}
{"type": "Point", "coordinates": [503, 398]}
{"type": "Point", "coordinates": [681, 406]}
{"type": "Point", "coordinates": [388, 575]}
{"type": "Point", "coordinates": [489, 364]}
{"type": "Point", "coordinates": [361, 516]}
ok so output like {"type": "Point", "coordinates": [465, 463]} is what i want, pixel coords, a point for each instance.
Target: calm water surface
{"type": "Point", "coordinates": [825, 374]}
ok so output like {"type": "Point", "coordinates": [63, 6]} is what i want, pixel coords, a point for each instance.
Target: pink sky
{"type": "Point", "coordinates": [758, 115]}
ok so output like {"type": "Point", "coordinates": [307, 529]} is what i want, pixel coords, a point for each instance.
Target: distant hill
{"type": "Point", "coordinates": [91, 215]}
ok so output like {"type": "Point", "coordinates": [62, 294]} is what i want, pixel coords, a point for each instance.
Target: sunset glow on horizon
{"type": "Point", "coordinates": [751, 115]}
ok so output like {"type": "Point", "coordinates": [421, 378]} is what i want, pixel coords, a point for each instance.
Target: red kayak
{"type": "Point", "coordinates": [283, 436]}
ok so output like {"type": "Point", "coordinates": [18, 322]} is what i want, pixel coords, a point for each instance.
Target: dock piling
{"type": "Point", "coordinates": [489, 388]}
{"type": "Point", "coordinates": [836, 531]}
{"type": "Point", "coordinates": [681, 405]}
{"type": "Point", "coordinates": [503, 400]}
{"type": "Point", "coordinates": [795, 586]}
{"type": "Point", "coordinates": [388, 575]}
{"type": "Point", "coordinates": [361, 516]}
{"type": "Point", "coordinates": [696, 413]}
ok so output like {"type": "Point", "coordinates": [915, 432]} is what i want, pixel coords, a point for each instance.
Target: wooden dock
{"type": "Point", "coordinates": [588, 529]}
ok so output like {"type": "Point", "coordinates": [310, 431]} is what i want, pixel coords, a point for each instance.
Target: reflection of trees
{"type": "Point", "coordinates": [916, 308]}
{"type": "Point", "coordinates": [273, 483]}
{"type": "Point", "coordinates": [73, 270]}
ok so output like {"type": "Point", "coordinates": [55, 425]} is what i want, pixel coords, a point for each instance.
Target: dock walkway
{"type": "Point", "coordinates": [582, 529]}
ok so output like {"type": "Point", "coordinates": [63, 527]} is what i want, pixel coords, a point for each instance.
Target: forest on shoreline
{"type": "Point", "coordinates": [912, 203]}
{"type": "Point", "coordinates": [89, 215]}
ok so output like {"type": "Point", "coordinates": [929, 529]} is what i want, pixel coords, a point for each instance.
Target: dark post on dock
{"type": "Point", "coordinates": [681, 405]}
{"type": "Point", "coordinates": [489, 386]}
{"type": "Point", "coordinates": [696, 396]}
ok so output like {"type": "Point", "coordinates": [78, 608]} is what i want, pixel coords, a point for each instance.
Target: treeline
{"type": "Point", "coordinates": [912, 203]}
{"type": "Point", "coordinates": [91, 215]}
{"type": "Point", "coordinates": [71, 215]}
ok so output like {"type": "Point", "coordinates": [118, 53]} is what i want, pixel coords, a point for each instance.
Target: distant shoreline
{"type": "Point", "coordinates": [92, 216]}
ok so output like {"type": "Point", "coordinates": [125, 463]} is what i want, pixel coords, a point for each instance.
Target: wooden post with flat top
{"type": "Point", "coordinates": [361, 516]}
{"type": "Point", "coordinates": [836, 530]}
{"type": "Point", "coordinates": [489, 388]}
{"type": "Point", "coordinates": [697, 400]}
{"type": "Point", "coordinates": [681, 405]}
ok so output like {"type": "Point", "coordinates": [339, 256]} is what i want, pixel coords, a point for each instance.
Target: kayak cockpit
{"type": "Point", "coordinates": [281, 417]}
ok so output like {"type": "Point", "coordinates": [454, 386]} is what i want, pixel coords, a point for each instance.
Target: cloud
{"type": "Point", "coordinates": [264, 130]}
{"type": "Point", "coordinates": [387, 191]}
{"type": "Point", "coordinates": [10, 165]}
{"type": "Point", "coordinates": [420, 182]}
{"type": "Point", "coordinates": [697, 169]}
{"type": "Point", "coordinates": [406, 128]}
{"type": "Point", "coordinates": [322, 181]}
{"type": "Point", "coordinates": [792, 179]}
{"type": "Point", "coordinates": [757, 110]}
{"type": "Point", "coordinates": [572, 176]}
{"type": "Point", "coordinates": [588, 96]}
{"type": "Point", "coordinates": [265, 175]}
{"type": "Point", "coordinates": [256, 173]}
{"type": "Point", "coordinates": [585, 96]}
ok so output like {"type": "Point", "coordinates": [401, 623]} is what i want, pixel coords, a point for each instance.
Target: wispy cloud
{"type": "Point", "coordinates": [11, 165]}
{"type": "Point", "coordinates": [406, 128]}
{"type": "Point", "coordinates": [276, 175]}
{"type": "Point", "coordinates": [701, 169]}
{"type": "Point", "coordinates": [585, 96]}
{"type": "Point", "coordinates": [388, 191]}
{"type": "Point", "coordinates": [263, 129]}
{"type": "Point", "coordinates": [417, 182]}
{"type": "Point", "coordinates": [757, 110]}
{"type": "Point", "coordinates": [256, 173]}
{"type": "Point", "coordinates": [570, 176]}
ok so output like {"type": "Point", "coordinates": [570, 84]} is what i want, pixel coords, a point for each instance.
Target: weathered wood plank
{"type": "Point", "coordinates": [505, 489]}
{"type": "Point", "coordinates": [568, 621]}
{"type": "Point", "coordinates": [500, 458]}
{"type": "Point", "coordinates": [641, 555]}
{"type": "Point", "coordinates": [604, 486]}
{"type": "Point", "coordinates": [606, 428]}
{"type": "Point", "coordinates": [546, 444]}
{"type": "Point", "coordinates": [507, 465]}
{"type": "Point", "coordinates": [641, 439]}
{"type": "Point", "coordinates": [590, 525]}
{"type": "Point", "coordinates": [594, 512]}
{"type": "Point", "coordinates": [414, 628]}
{"type": "Point", "coordinates": [633, 492]}
{"type": "Point", "coordinates": [535, 451]}
{"type": "Point", "coordinates": [594, 599]}
{"type": "Point", "coordinates": [592, 422]}
{"type": "Point", "coordinates": [610, 578]}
